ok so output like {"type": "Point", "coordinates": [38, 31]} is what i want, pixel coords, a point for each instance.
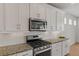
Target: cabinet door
{"type": "Point", "coordinates": [33, 10]}
{"type": "Point", "coordinates": [53, 52]}
{"type": "Point", "coordinates": [1, 17]}
{"type": "Point", "coordinates": [59, 51]}
{"type": "Point", "coordinates": [56, 49]}
{"type": "Point", "coordinates": [23, 16]}
{"type": "Point", "coordinates": [37, 10]}
{"type": "Point", "coordinates": [60, 21]}
{"type": "Point", "coordinates": [41, 11]}
{"type": "Point", "coordinates": [51, 18]}
{"type": "Point", "coordinates": [11, 16]}
{"type": "Point", "coordinates": [65, 47]}
{"type": "Point", "coordinates": [48, 17]}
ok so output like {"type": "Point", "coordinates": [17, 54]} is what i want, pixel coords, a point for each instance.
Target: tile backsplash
{"type": "Point", "coordinates": [17, 38]}
{"type": "Point", "coordinates": [11, 39]}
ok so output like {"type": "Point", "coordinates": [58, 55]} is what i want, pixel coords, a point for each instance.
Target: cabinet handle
{"type": "Point", "coordinates": [18, 26]}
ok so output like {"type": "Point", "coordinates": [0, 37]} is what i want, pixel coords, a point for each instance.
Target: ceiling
{"type": "Point", "coordinates": [72, 8]}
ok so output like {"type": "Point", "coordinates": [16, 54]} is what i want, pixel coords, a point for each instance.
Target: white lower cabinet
{"type": "Point", "coordinates": [56, 49]}
{"type": "Point", "coordinates": [60, 48]}
{"type": "Point", "coordinates": [13, 55]}
{"type": "Point", "coordinates": [25, 53]}
{"type": "Point", "coordinates": [65, 47]}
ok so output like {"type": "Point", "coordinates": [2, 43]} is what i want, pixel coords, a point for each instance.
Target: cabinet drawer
{"type": "Point", "coordinates": [26, 53]}
{"type": "Point", "coordinates": [13, 55]}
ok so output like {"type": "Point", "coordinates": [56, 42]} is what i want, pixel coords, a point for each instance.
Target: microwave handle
{"type": "Point", "coordinates": [46, 24]}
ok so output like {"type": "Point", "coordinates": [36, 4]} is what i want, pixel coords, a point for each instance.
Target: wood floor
{"type": "Point", "coordinates": [74, 50]}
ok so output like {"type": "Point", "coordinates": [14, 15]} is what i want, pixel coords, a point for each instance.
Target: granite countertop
{"type": "Point", "coordinates": [13, 49]}
{"type": "Point", "coordinates": [57, 40]}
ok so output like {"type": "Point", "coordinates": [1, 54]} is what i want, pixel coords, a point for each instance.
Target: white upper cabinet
{"type": "Point", "coordinates": [60, 21]}
{"type": "Point", "coordinates": [37, 10]}
{"type": "Point", "coordinates": [23, 16]}
{"type": "Point", "coordinates": [51, 18]}
{"type": "Point", "coordinates": [16, 16]}
{"type": "Point", "coordinates": [48, 17]}
{"type": "Point", "coordinates": [11, 16]}
{"type": "Point", "coordinates": [1, 17]}
{"type": "Point", "coordinates": [42, 11]}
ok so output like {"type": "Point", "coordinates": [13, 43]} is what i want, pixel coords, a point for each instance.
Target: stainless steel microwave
{"type": "Point", "coordinates": [37, 24]}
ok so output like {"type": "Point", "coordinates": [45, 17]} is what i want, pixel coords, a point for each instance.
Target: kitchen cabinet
{"type": "Point", "coordinates": [53, 52]}
{"type": "Point", "coordinates": [60, 21]}
{"type": "Point", "coordinates": [1, 17]}
{"type": "Point", "coordinates": [65, 47]}
{"type": "Point", "coordinates": [26, 53]}
{"type": "Point", "coordinates": [59, 46]}
{"type": "Point", "coordinates": [11, 17]}
{"type": "Point", "coordinates": [16, 17]}
{"type": "Point", "coordinates": [13, 55]}
{"type": "Point", "coordinates": [48, 17]}
{"type": "Point", "coordinates": [51, 18]}
{"type": "Point", "coordinates": [37, 10]}
{"type": "Point", "coordinates": [23, 16]}
{"type": "Point", "coordinates": [56, 49]}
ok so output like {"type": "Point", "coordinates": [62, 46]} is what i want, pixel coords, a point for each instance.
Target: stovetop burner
{"type": "Point", "coordinates": [40, 47]}
{"type": "Point", "coordinates": [38, 43]}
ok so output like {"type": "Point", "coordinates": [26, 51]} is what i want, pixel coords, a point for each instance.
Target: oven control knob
{"type": "Point", "coordinates": [35, 50]}
{"type": "Point", "coordinates": [41, 48]}
{"type": "Point", "coordinates": [45, 46]}
{"type": "Point", "coordinates": [38, 49]}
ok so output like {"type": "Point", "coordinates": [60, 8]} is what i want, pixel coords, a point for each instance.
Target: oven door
{"type": "Point", "coordinates": [45, 53]}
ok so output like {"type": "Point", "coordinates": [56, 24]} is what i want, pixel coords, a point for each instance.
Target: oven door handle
{"type": "Point", "coordinates": [42, 51]}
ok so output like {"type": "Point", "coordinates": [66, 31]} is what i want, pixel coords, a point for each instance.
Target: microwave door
{"type": "Point", "coordinates": [37, 25]}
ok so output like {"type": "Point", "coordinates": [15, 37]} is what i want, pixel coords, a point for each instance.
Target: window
{"type": "Point", "coordinates": [70, 22]}
{"type": "Point", "coordinates": [65, 20]}
{"type": "Point", "coordinates": [75, 23]}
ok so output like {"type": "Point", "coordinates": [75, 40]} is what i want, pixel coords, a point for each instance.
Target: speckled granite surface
{"type": "Point", "coordinates": [56, 40]}
{"type": "Point", "coordinates": [12, 49]}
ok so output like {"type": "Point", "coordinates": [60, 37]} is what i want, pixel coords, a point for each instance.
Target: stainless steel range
{"type": "Point", "coordinates": [40, 47]}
